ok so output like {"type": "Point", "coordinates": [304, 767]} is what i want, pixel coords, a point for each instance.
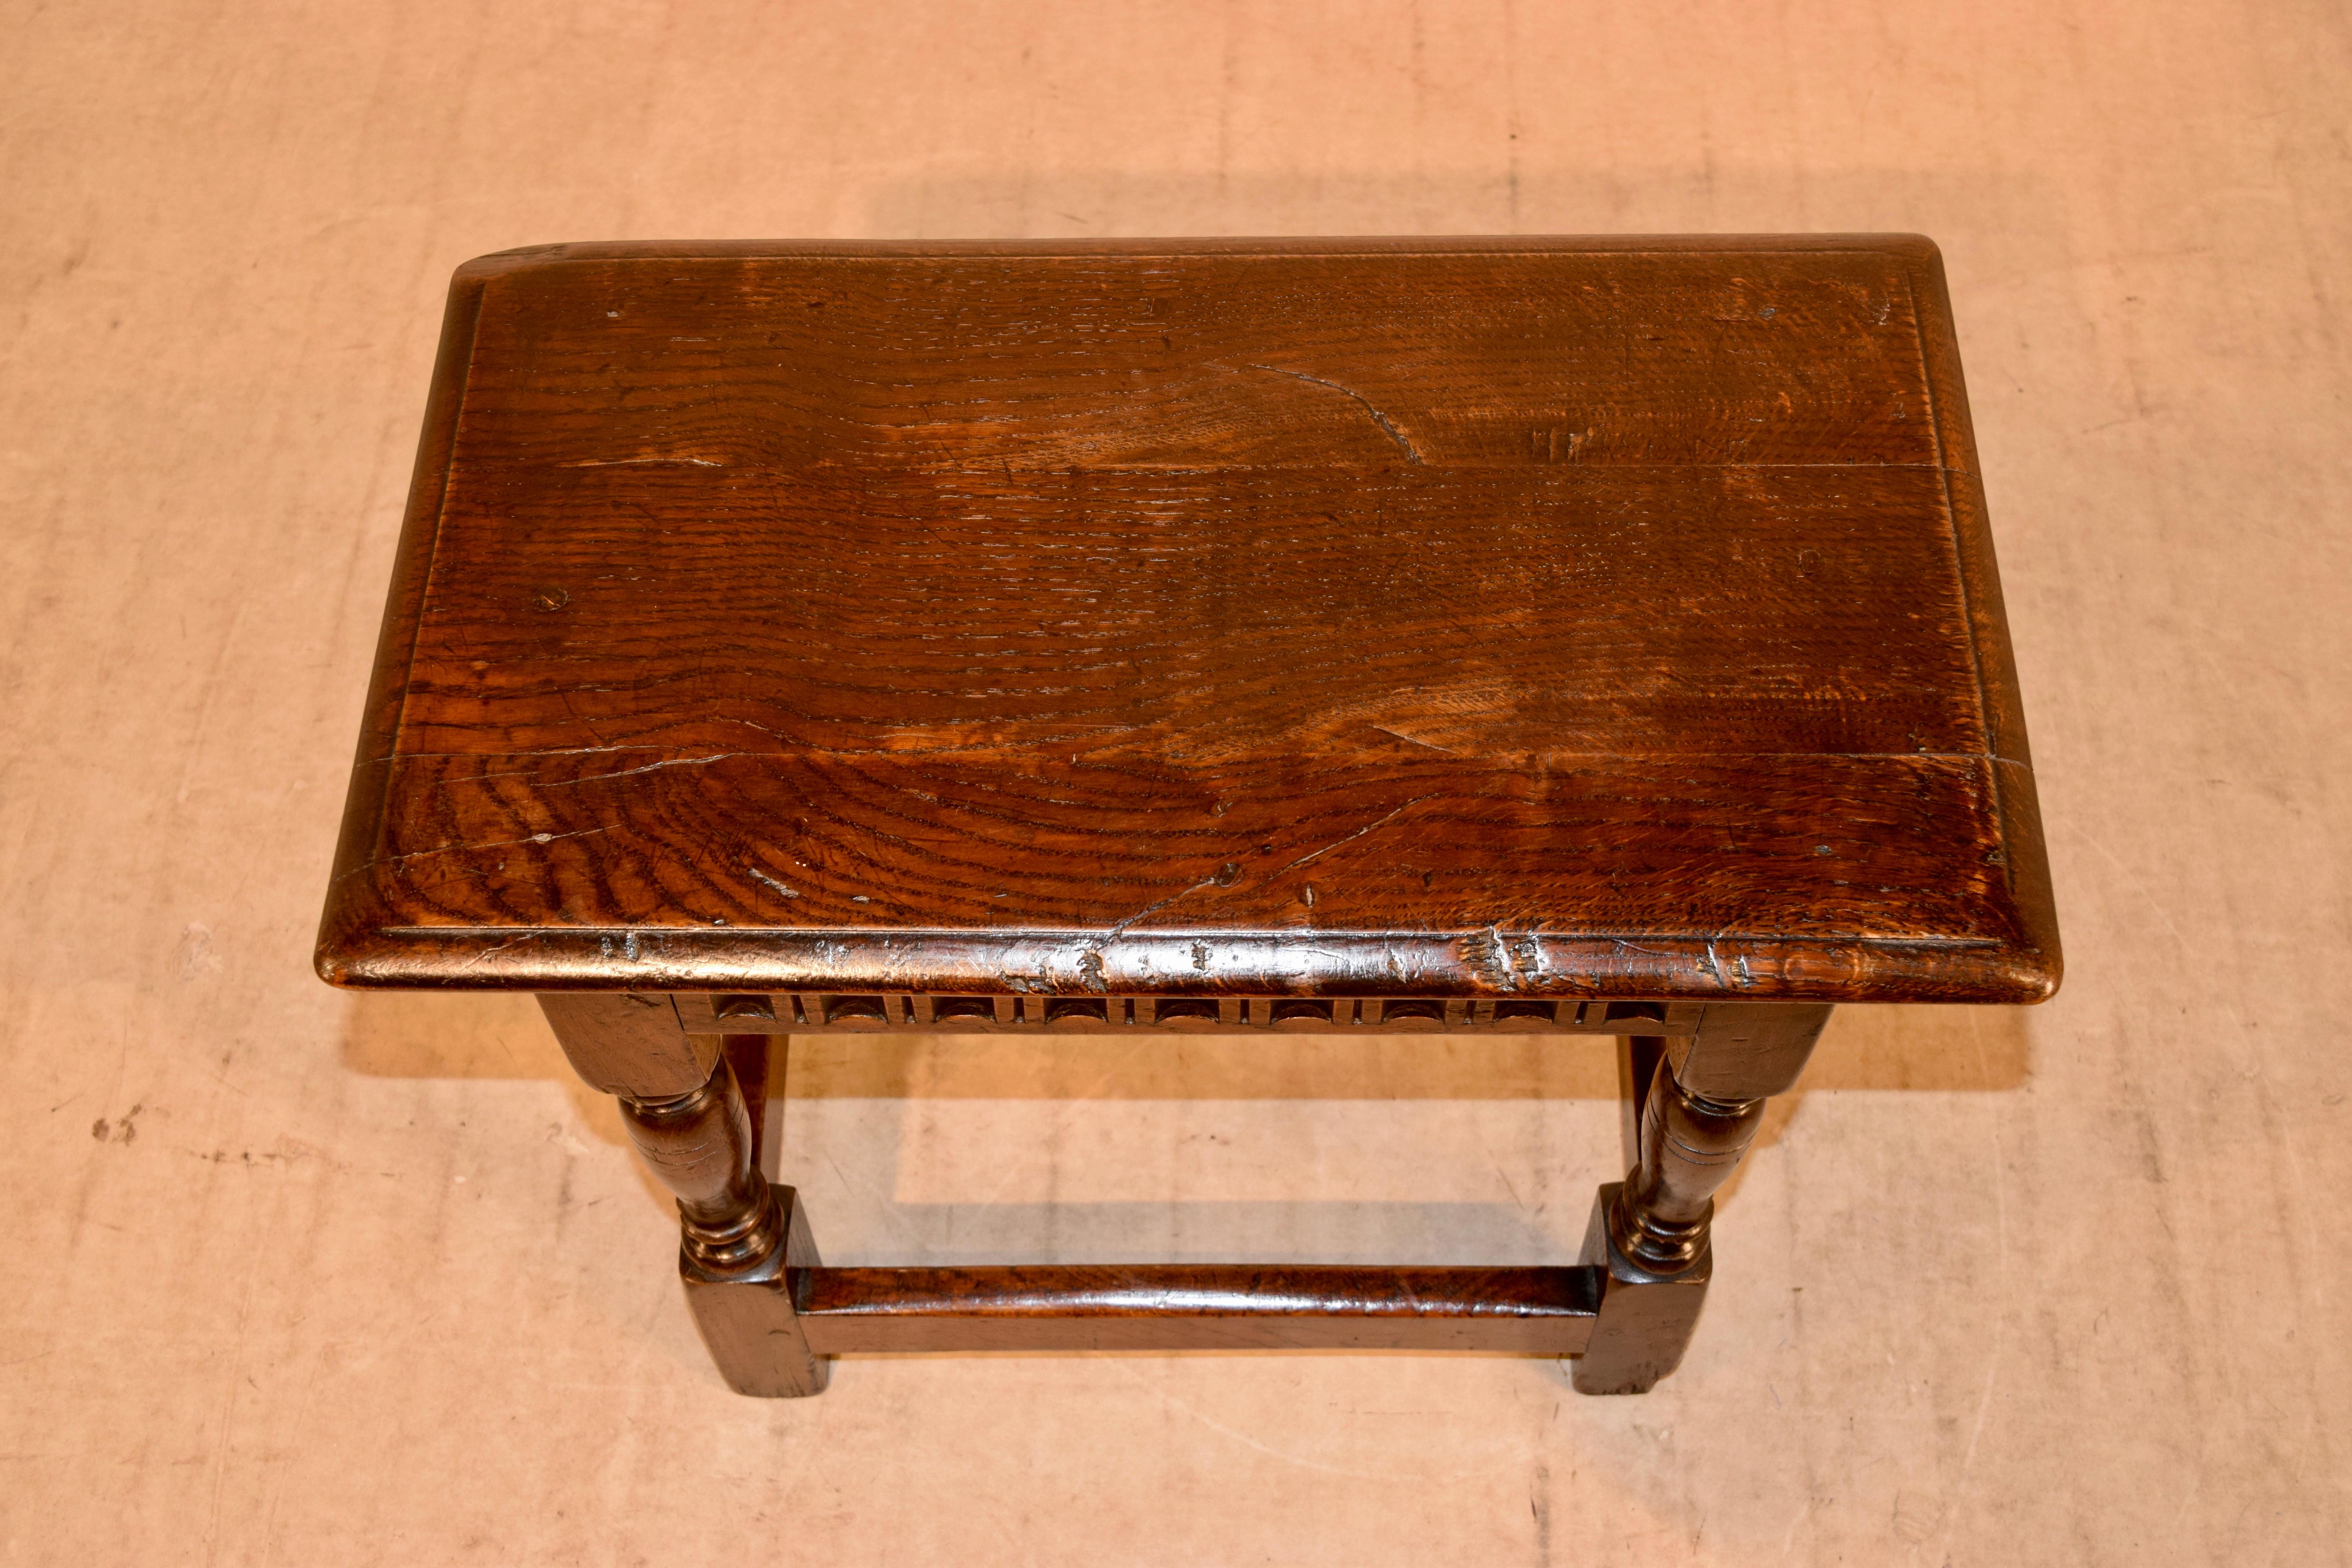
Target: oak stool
{"type": "Point", "coordinates": [1590, 638]}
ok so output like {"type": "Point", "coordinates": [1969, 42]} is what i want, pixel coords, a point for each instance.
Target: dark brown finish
{"type": "Point", "coordinates": [1164, 1307]}
{"type": "Point", "coordinates": [1502, 620]}
{"type": "Point", "coordinates": [817, 1012]}
{"type": "Point", "coordinates": [1570, 636]}
{"type": "Point", "coordinates": [1638, 1057]}
{"type": "Point", "coordinates": [747, 1318]}
{"type": "Point", "coordinates": [1689, 1145]}
{"type": "Point", "coordinates": [700, 1145]}
{"type": "Point", "coordinates": [748, 1058]}
{"type": "Point", "coordinates": [1696, 1102]}
{"type": "Point", "coordinates": [741, 1240]}
{"type": "Point", "coordinates": [1646, 1319]}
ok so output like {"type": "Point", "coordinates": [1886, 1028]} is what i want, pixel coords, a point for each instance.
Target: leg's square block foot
{"type": "Point", "coordinates": [751, 1320]}
{"type": "Point", "coordinates": [1646, 1319]}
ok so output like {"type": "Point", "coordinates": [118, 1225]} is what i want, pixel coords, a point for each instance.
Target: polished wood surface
{"type": "Point", "coordinates": [1148, 1307]}
{"type": "Point", "coordinates": [1435, 619]}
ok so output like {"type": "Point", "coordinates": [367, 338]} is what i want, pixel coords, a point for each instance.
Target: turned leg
{"type": "Point", "coordinates": [1697, 1112]}
{"type": "Point", "coordinates": [743, 1243]}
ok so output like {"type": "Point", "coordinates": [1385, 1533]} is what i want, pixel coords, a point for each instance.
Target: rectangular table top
{"type": "Point", "coordinates": [1409, 618]}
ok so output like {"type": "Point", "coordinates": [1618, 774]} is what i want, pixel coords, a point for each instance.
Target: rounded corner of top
{"type": "Point", "coordinates": [480, 269]}
{"type": "Point", "coordinates": [1911, 246]}
{"type": "Point", "coordinates": [2042, 972]}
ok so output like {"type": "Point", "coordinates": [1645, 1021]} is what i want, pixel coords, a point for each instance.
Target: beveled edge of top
{"type": "Point", "coordinates": [1486, 963]}
{"type": "Point", "coordinates": [1913, 250]}
{"type": "Point", "coordinates": [356, 950]}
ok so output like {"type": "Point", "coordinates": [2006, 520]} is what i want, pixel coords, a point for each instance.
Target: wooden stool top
{"type": "Point", "coordinates": [1456, 618]}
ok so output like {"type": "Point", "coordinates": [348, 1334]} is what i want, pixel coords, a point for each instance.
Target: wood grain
{"type": "Point", "coordinates": [1558, 618]}
{"type": "Point", "coordinates": [1107, 360]}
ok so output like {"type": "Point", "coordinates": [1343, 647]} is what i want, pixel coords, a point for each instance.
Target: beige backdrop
{"type": "Point", "coordinates": [293, 1277]}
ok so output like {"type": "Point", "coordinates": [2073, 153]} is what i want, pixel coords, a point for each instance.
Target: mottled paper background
{"type": "Point", "coordinates": [295, 1277]}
